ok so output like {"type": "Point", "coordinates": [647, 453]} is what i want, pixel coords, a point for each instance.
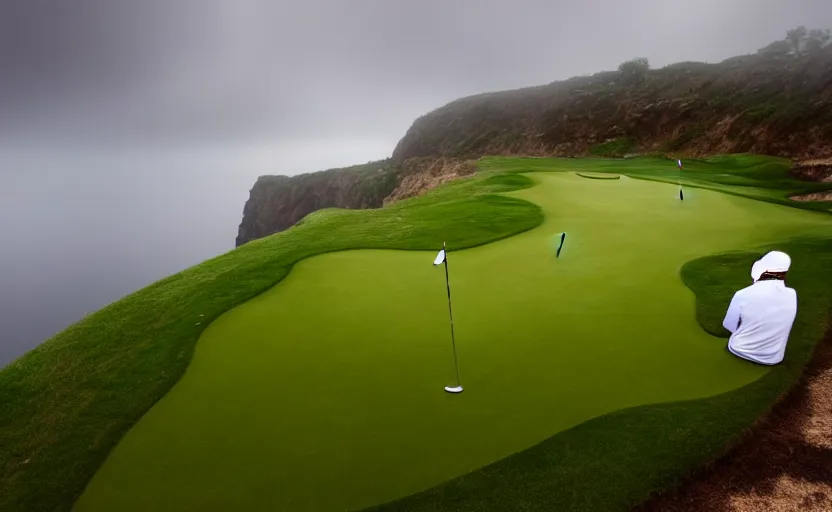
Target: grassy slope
{"type": "Point", "coordinates": [68, 402]}
{"type": "Point", "coordinates": [306, 430]}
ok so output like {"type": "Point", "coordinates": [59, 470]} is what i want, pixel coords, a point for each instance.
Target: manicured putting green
{"type": "Point", "coordinates": [325, 393]}
{"type": "Point", "coordinates": [598, 175]}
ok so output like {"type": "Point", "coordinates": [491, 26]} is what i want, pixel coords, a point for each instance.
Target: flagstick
{"type": "Point", "coordinates": [458, 387]}
{"type": "Point", "coordinates": [681, 194]}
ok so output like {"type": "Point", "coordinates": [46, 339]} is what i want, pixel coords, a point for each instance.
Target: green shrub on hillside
{"type": "Point", "coordinates": [618, 147]}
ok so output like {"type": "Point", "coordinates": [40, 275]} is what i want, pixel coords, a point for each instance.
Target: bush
{"type": "Point", "coordinates": [634, 70]}
{"type": "Point", "coordinates": [616, 147]}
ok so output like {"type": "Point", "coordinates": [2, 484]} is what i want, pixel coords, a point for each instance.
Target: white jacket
{"type": "Point", "coordinates": [760, 319]}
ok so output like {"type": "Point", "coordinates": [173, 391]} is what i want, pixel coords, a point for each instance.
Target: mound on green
{"type": "Point", "coordinates": [598, 175]}
{"type": "Point", "coordinates": [325, 392]}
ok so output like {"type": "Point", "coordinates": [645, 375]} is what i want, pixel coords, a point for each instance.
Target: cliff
{"type": "Point", "coordinates": [278, 202]}
{"type": "Point", "coordinates": [769, 104]}
{"type": "Point", "coordinates": [777, 102]}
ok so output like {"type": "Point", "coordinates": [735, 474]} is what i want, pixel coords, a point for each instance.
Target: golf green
{"type": "Point", "coordinates": [325, 393]}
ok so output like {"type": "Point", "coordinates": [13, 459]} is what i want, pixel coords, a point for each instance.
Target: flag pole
{"type": "Point", "coordinates": [681, 194]}
{"type": "Point", "coordinates": [458, 387]}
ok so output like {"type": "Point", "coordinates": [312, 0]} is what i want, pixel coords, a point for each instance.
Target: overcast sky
{"type": "Point", "coordinates": [194, 71]}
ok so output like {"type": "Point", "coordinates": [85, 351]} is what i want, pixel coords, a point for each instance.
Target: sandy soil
{"type": "Point", "coordinates": [817, 196]}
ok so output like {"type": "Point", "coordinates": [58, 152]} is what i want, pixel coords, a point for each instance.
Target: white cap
{"type": "Point", "coordinates": [775, 261]}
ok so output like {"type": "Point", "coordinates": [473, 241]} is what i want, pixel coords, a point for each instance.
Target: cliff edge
{"type": "Point", "coordinates": [776, 102]}
{"type": "Point", "coordinates": [278, 202]}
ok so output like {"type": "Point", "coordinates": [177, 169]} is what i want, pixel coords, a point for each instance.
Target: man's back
{"type": "Point", "coordinates": [761, 318]}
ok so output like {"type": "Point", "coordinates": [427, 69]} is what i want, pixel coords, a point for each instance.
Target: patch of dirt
{"type": "Point", "coordinates": [784, 464]}
{"type": "Point", "coordinates": [815, 196]}
{"type": "Point", "coordinates": [817, 161]}
{"type": "Point", "coordinates": [422, 174]}
{"type": "Point", "coordinates": [819, 169]}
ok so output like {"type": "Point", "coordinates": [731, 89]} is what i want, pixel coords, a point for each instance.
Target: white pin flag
{"type": "Point", "coordinates": [440, 258]}
{"type": "Point", "coordinates": [679, 162]}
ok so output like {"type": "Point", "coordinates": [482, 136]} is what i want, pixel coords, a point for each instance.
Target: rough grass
{"type": "Point", "coordinates": [68, 402]}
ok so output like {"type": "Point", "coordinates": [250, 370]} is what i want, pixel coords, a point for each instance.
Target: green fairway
{"type": "Point", "coordinates": [325, 392]}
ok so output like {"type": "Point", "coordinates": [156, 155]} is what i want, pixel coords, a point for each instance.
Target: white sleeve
{"type": "Point", "coordinates": [732, 317]}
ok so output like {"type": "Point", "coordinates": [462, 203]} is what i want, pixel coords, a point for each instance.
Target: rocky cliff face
{"type": "Point", "coordinates": [418, 175]}
{"type": "Point", "coordinates": [778, 105]}
{"type": "Point", "coordinates": [278, 202]}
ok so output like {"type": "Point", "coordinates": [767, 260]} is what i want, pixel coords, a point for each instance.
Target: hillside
{"type": "Point", "coordinates": [768, 104]}
{"type": "Point", "coordinates": [773, 102]}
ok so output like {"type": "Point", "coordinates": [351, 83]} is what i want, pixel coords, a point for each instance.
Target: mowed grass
{"type": "Point", "coordinates": [325, 393]}
{"type": "Point", "coordinates": [615, 462]}
{"type": "Point", "coordinates": [65, 405]}
{"type": "Point", "coordinates": [759, 177]}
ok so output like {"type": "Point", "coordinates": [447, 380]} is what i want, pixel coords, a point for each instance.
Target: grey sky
{"type": "Point", "coordinates": [208, 70]}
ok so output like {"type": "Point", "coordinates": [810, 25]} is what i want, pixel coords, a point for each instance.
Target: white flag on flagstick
{"type": "Point", "coordinates": [679, 162]}
{"type": "Point", "coordinates": [440, 258]}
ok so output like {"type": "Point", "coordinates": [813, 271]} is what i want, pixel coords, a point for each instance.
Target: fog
{"type": "Point", "coordinates": [131, 130]}
{"type": "Point", "coordinates": [82, 228]}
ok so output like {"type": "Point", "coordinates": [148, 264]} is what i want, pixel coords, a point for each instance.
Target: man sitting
{"type": "Point", "coordinates": [760, 317]}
